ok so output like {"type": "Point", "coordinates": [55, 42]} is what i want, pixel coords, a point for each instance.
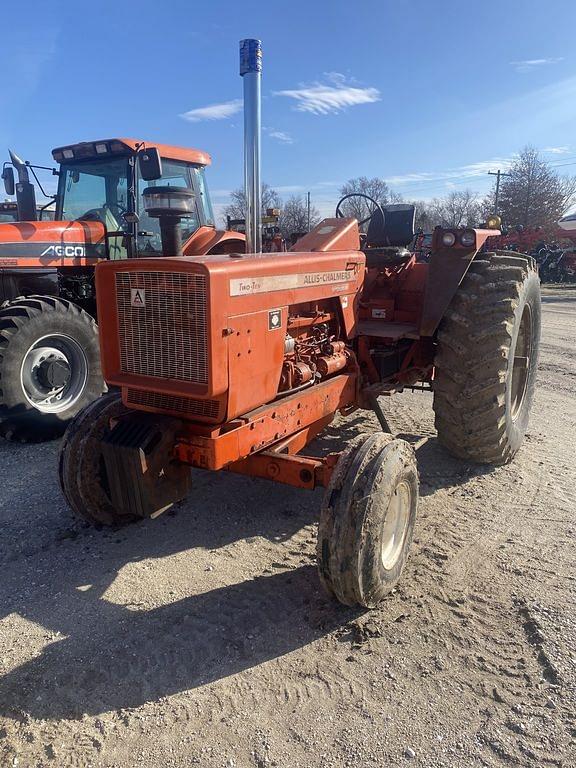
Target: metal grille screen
{"type": "Point", "coordinates": [163, 325]}
{"type": "Point", "coordinates": [185, 405]}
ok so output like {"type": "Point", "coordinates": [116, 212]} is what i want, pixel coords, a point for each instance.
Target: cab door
{"type": "Point", "coordinates": [174, 174]}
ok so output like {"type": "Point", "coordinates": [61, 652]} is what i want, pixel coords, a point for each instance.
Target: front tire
{"type": "Point", "coordinates": [367, 519]}
{"type": "Point", "coordinates": [487, 359]}
{"type": "Point", "coordinates": [81, 469]}
{"type": "Point", "coordinates": [49, 366]}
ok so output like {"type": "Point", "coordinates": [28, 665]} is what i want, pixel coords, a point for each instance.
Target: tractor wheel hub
{"type": "Point", "coordinates": [54, 373]}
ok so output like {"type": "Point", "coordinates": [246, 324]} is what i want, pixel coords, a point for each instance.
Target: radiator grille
{"type": "Point", "coordinates": [166, 334]}
{"type": "Point", "coordinates": [187, 406]}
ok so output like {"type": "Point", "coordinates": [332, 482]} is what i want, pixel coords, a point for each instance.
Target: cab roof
{"type": "Point", "coordinates": [86, 149]}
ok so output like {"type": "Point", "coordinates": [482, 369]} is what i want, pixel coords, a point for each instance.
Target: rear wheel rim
{"type": "Point", "coordinates": [521, 363]}
{"type": "Point", "coordinates": [54, 373]}
{"type": "Point", "coordinates": [395, 525]}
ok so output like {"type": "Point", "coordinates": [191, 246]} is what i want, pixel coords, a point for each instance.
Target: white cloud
{"type": "Point", "coordinates": [282, 136]}
{"type": "Point", "coordinates": [557, 150]}
{"type": "Point", "coordinates": [336, 95]}
{"type": "Point", "coordinates": [472, 170]}
{"type": "Point", "coordinates": [529, 65]}
{"type": "Point", "coordinates": [214, 111]}
{"type": "Point", "coordinates": [289, 189]}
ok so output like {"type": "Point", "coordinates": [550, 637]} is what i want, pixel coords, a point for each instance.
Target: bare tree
{"type": "Point", "coordinates": [375, 188]}
{"type": "Point", "coordinates": [533, 195]}
{"type": "Point", "coordinates": [426, 218]}
{"type": "Point", "coordinates": [458, 209]}
{"type": "Point", "coordinates": [236, 209]}
{"type": "Point", "coordinates": [294, 216]}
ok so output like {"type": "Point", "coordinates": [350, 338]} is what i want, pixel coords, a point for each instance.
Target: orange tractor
{"type": "Point", "coordinates": [237, 361]}
{"type": "Point", "coordinates": [49, 351]}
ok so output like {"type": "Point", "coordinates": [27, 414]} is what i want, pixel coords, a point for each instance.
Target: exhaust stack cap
{"type": "Point", "coordinates": [250, 56]}
{"type": "Point", "coordinates": [16, 161]}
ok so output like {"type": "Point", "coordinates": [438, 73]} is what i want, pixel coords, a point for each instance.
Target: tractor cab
{"type": "Point", "coordinates": [104, 181]}
{"type": "Point", "coordinates": [8, 212]}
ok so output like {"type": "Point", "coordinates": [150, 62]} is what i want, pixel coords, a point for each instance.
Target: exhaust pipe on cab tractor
{"type": "Point", "coordinates": [251, 73]}
{"type": "Point", "coordinates": [25, 194]}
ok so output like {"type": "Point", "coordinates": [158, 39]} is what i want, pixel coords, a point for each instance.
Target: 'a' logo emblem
{"type": "Point", "coordinates": [137, 297]}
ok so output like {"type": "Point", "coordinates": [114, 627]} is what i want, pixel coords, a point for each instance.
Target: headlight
{"type": "Point", "coordinates": [448, 239]}
{"type": "Point", "coordinates": [493, 222]}
{"type": "Point", "coordinates": [68, 154]}
{"type": "Point", "coordinates": [468, 238]}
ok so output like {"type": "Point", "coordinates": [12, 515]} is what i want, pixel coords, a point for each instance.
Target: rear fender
{"type": "Point", "coordinates": [446, 270]}
{"type": "Point", "coordinates": [209, 240]}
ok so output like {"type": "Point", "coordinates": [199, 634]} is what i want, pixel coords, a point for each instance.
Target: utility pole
{"type": "Point", "coordinates": [308, 208]}
{"type": "Point", "coordinates": [498, 174]}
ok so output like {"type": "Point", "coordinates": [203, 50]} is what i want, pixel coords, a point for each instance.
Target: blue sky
{"type": "Point", "coordinates": [429, 94]}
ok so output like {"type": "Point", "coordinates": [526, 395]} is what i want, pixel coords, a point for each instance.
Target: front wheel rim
{"type": "Point", "coordinates": [54, 373]}
{"type": "Point", "coordinates": [521, 363]}
{"type": "Point", "coordinates": [395, 526]}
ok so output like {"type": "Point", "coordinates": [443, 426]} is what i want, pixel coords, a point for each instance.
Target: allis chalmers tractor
{"type": "Point", "coordinates": [49, 353]}
{"type": "Point", "coordinates": [237, 361]}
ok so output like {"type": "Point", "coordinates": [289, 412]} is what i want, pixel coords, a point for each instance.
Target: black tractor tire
{"type": "Point", "coordinates": [367, 519]}
{"type": "Point", "coordinates": [81, 469]}
{"type": "Point", "coordinates": [24, 323]}
{"type": "Point", "coordinates": [486, 359]}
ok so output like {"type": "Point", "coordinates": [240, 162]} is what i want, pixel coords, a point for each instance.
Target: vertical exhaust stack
{"type": "Point", "coordinates": [251, 73]}
{"type": "Point", "coordinates": [25, 194]}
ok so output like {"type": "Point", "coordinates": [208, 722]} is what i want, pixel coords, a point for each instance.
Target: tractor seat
{"type": "Point", "coordinates": [388, 235]}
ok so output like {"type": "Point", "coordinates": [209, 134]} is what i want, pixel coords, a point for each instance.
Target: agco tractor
{"type": "Point", "coordinates": [49, 352]}
{"type": "Point", "coordinates": [237, 361]}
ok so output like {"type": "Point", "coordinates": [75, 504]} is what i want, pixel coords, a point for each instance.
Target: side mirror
{"type": "Point", "coordinates": [150, 164]}
{"type": "Point", "coordinates": [8, 179]}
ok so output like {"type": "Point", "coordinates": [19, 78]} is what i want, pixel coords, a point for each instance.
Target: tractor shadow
{"type": "Point", "coordinates": [120, 658]}
{"type": "Point", "coordinates": [122, 655]}
{"type": "Point", "coordinates": [109, 655]}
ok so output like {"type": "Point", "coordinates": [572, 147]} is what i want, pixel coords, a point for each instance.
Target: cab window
{"type": "Point", "coordinates": [174, 174]}
{"type": "Point", "coordinates": [204, 202]}
{"type": "Point", "coordinates": [95, 190]}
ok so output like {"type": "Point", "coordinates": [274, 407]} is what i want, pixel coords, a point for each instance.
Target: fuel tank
{"type": "Point", "coordinates": [33, 244]}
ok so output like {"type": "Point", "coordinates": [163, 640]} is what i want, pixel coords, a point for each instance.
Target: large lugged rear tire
{"type": "Point", "coordinates": [487, 359]}
{"type": "Point", "coordinates": [367, 519]}
{"type": "Point", "coordinates": [49, 366]}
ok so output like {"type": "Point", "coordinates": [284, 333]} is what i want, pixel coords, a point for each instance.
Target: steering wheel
{"type": "Point", "coordinates": [115, 207]}
{"type": "Point", "coordinates": [376, 207]}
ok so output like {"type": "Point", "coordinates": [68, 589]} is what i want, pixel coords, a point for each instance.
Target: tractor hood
{"type": "Point", "coordinates": [51, 243]}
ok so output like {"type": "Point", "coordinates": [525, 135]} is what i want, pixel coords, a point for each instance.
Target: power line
{"type": "Point", "coordinates": [561, 165]}
{"type": "Point", "coordinates": [498, 174]}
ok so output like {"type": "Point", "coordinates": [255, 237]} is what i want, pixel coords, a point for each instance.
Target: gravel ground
{"type": "Point", "coordinates": [203, 638]}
